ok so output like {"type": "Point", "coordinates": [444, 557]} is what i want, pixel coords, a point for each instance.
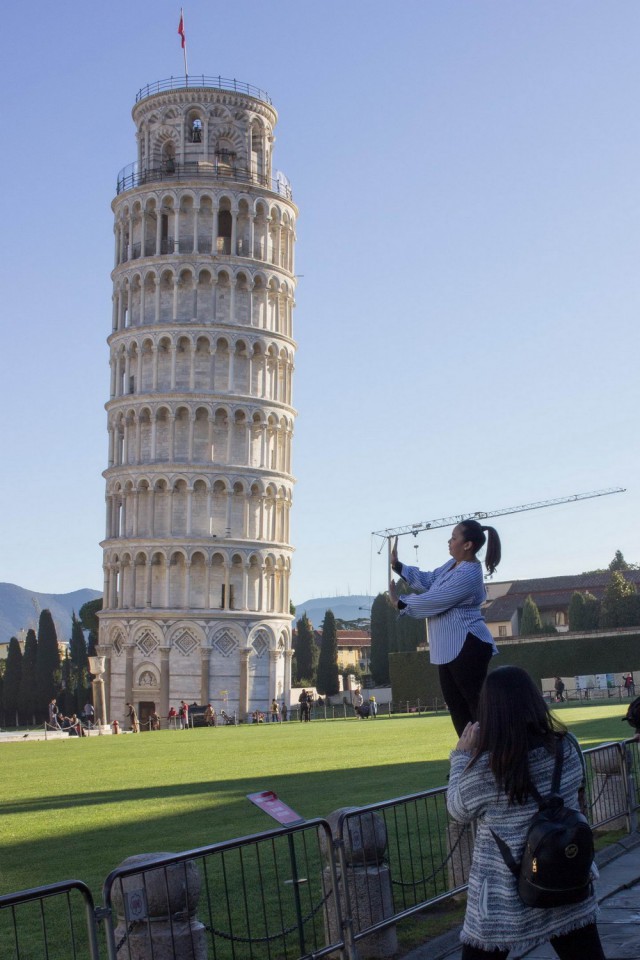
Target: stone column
{"type": "Point", "coordinates": [128, 674]}
{"type": "Point", "coordinates": [243, 705]}
{"type": "Point", "coordinates": [367, 879]}
{"type": "Point", "coordinates": [274, 656]}
{"type": "Point", "coordinates": [204, 674]}
{"type": "Point", "coordinates": [161, 923]}
{"type": "Point", "coordinates": [165, 681]}
{"type": "Point", "coordinates": [286, 693]}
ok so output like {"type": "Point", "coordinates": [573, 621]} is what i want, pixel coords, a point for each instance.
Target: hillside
{"type": "Point", "coordinates": [18, 611]}
{"type": "Point", "coordinates": [344, 608]}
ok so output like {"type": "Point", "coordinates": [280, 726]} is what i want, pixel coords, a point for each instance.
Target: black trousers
{"type": "Point", "coordinates": [582, 944]}
{"type": "Point", "coordinates": [462, 678]}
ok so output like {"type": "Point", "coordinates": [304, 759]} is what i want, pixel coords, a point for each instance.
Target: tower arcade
{"type": "Point", "coordinates": [197, 552]}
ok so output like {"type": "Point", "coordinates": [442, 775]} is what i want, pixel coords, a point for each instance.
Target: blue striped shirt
{"type": "Point", "coordinates": [450, 598]}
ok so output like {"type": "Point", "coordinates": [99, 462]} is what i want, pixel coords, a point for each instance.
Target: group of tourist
{"type": "Point", "coordinates": [72, 724]}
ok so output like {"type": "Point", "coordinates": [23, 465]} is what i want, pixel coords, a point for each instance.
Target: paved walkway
{"type": "Point", "coordinates": [619, 922]}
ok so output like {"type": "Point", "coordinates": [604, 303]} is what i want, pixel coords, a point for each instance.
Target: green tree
{"type": "Point", "coordinates": [66, 696]}
{"type": "Point", "coordinates": [620, 607]}
{"type": "Point", "coordinates": [583, 612]}
{"type": "Point", "coordinates": [591, 611]}
{"type": "Point", "coordinates": [28, 703]}
{"type": "Point", "coordinates": [327, 681]}
{"type": "Point", "coordinates": [531, 622]}
{"type": "Point", "coordinates": [47, 661]}
{"type": "Point", "coordinates": [576, 611]}
{"type": "Point", "coordinates": [618, 563]}
{"type": "Point", "coordinates": [79, 664]}
{"type": "Point", "coordinates": [3, 667]}
{"type": "Point", "coordinates": [88, 615]}
{"type": "Point", "coordinates": [380, 622]}
{"type": "Point", "coordinates": [305, 652]}
{"type": "Point", "coordinates": [12, 678]}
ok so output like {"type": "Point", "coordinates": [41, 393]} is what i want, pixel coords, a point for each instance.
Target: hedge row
{"type": "Point", "coordinates": [565, 655]}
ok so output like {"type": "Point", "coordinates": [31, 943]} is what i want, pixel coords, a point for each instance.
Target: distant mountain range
{"type": "Point", "coordinates": [20, 609]}
{"type": "Point", "coordinates": [344, 608]}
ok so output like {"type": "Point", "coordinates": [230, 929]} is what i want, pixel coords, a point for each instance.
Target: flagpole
{"type": "Point", "coordinates": [183, 37]}
{"type": "Point", "coordinates": [186, 68]}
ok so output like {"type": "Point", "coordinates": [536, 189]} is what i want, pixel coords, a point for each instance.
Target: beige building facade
{"type": "Point", "coordinates": [197, 553]}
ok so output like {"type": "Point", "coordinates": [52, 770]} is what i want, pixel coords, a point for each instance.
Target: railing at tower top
{"type": "Point", "coordinates": [131, 176]}
{"type": "Point", "coordinates": [199, 80]}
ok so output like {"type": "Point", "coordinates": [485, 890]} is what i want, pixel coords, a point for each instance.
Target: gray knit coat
{"type": "Point", "coordinates": [496, 918]}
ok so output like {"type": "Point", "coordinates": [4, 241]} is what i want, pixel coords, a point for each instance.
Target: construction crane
{"type": "Point", "coordinates": [415, 528]}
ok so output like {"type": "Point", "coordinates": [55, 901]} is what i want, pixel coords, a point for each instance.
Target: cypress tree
{"type": "Point", "coordinates": [591, 612]}
{"type": "Point", "coordinates": [3, 667]}
{"type": "Point", "coordinates": [380, 620]}
{"type": "Point", "coordinates": [531, 622]}
{"type": "Point", "coordinates": [619, 606]}
{"type": "Point", "coordinates": [88, 615]}
{"type": "Point", "coordinates": [28, 703]}
{"type": "Point", "coordinates": [305, 651]}
{"type": "Point", "coordinates": [11, 685]}
{"type": "Point", "coordinates": [47, 661]}
{"type": "Point", "coordinates": [327, 681]}
{"type": "Point", "coordinates": [80, 664]}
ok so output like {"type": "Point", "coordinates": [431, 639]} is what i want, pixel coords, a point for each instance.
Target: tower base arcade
{"type": "Point", "coordinates": [238, 664]}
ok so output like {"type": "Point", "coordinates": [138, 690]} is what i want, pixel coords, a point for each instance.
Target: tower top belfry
{"type": "Point", "coordinates": [197, 555]}
{"type": "Point", "coordinates": [210, 128]}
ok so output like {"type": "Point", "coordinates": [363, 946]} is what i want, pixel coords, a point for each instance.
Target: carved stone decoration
{"type": "Point", "coordinates": [225, 642]}
{"type": "Point", "coordinates": [147, 679]}
{"type": "Point", "coordinates": [186, 643]}
{"type": "Point", "coordinates": [147, 643]}
{"type": "Point", "coordinates": [260, 643]}
{"type": "Point", "coordinates": [118, 643]}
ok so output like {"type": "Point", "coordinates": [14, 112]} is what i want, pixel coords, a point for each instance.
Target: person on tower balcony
{"type": "Point", "coordinates": [450, 598]}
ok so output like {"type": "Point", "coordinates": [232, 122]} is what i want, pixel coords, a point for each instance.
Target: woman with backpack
{"type": "Point", "coordinates": [497, 765]}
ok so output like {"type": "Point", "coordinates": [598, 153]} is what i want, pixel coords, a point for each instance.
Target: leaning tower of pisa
{"type": "Point", "coordinates": [197, 552]}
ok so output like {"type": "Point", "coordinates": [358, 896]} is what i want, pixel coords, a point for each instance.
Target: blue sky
{"type": "Point", "coordinates": [467, 312]}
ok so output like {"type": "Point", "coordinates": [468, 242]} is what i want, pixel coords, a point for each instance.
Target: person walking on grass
{"type": "Point", "coordinates": [132, 717]}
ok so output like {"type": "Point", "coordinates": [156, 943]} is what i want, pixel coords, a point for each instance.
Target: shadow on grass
{"type": "Point", "coordinates": [96, 848]}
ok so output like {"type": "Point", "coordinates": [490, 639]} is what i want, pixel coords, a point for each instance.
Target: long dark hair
{"type": "Point", "coordinates": [473, 531]}
{"type": "Point", "coordinates": [513, 719]}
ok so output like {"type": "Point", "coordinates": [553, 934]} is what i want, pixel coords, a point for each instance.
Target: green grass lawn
{"type": "Point", "coordinates": [75, 808]}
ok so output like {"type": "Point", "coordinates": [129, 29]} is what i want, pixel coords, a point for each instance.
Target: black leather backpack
{"type": "Point", "coordinates": [555, 869]}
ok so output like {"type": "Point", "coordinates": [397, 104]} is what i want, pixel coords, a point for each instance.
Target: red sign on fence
{"type": "Point", "coordinates": [271, 804]}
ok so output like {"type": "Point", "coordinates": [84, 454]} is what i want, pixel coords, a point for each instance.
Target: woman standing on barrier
{"type": "Point", "coordinates": [496, 760]}
{"type": "Point", "coordinates": [450, 598]}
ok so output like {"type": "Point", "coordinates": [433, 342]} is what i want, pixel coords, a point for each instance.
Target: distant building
{"type": "Point", "coordinates": [354, 648]}
{"type": "Point", "coordinates": [552, 595]}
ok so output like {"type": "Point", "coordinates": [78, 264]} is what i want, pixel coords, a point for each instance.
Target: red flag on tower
{"type": "Point", "coordinates": [181, 29]}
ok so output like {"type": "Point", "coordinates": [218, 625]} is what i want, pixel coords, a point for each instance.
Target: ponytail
{"type": "Point", "coordinates": [494, 549]}
{"type": "Point", "coordinates": [471, 530]}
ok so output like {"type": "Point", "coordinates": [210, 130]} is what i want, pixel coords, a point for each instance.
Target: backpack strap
{"type": "Point", "coordinates": [557, 770]}
{"type": "Point", "coordinates": [507, 856]}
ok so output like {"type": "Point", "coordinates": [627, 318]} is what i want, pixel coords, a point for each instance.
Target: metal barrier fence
{"type": "Point", "coordinates": [304, 891]}
{"type": "Point", "coordinates": [264, 896]}
{"type": "Point", "coordinates": [57, 920]}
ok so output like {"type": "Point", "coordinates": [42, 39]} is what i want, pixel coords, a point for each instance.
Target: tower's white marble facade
{"type": "Point", "coordinates": [197, 555]}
